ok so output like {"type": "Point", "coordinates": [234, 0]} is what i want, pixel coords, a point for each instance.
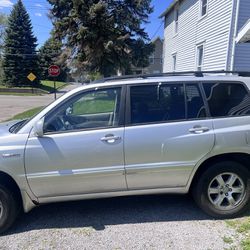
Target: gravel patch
{"type": "Point", "coordinates": [149, 222]}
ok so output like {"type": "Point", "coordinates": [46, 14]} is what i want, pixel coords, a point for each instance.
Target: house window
{"type": "Point", "coordinates": [151, 59]}
{"type": "Point", "coordinates": [200, 57]}
{"type": "Point", "coordinates": [203, 7]}
{"type": "Point", "coordinates": [176, 21]}
{"type": "Point", "coordinates": [174, 62]}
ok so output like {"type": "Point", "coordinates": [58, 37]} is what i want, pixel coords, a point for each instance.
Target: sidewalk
{"type": "Point", "coordinates": [13, 105]}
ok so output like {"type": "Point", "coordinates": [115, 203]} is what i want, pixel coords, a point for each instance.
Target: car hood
{"type": "Point", "coordinates": [4, 127]}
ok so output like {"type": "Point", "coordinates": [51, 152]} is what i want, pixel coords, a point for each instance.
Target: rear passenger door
{"type": "Point", "coordinates": [229, 104]}
{"type": "Point", "coordinates": [167, 133]}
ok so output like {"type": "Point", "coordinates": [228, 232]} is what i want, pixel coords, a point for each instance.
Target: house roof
{"type": "Point", "coordinates": [157, 38]}
{"type": "Point", "coordinates": [244, 33]}
{"type": "Point", "coordinates": [169, 8]}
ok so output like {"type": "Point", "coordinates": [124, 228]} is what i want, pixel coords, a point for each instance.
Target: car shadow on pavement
{"type": "Point", "coordinates": [113, 211]}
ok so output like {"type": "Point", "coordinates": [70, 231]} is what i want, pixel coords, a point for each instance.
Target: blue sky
{"type": "Point", "coordinates": [38, 10]}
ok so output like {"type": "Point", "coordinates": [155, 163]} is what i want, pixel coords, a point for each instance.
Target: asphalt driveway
{"type": "Point", "coordinates": [149, 222]}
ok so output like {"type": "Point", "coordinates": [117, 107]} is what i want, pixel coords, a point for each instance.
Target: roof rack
{"type": "Point", "coordinates": [184, 73]}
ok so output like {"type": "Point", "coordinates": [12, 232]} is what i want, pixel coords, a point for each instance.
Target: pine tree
{"type": "Point", "coordinates": [20, 57]}
{"type": "Point", "coordinates": [103, 34]}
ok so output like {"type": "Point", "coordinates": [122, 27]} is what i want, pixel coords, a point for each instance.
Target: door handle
{"type": "Point", "coordinates": [198, 130]}
{"type": "Point", "coordinates": [110, 139]}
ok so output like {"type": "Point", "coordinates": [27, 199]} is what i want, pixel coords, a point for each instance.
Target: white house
{"type": "Point", "coordinates": [205, 35]}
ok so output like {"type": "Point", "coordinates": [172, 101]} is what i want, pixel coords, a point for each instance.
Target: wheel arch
{"type": "Point", "coordinates": [242, 158]}
{"type": "Point", "coordinates": [23, 198]}
{"type": "Point", "coordinates": [10, 183]}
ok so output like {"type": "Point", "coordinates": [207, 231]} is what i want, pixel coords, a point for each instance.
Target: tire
{"type": "Point", "coordinates": [223, 198]}
{"type": "Point", "coordinates": [9, 208]}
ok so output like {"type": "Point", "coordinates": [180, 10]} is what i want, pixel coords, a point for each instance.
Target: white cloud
{"type": "Point", "coordinates": [5, 3]}
{"type": "Point", "coordinates": [38, 5]}
{"type": "Point", "coordinates": [38, 14]}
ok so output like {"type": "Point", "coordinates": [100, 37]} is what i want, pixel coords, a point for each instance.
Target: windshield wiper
{"type": "Point", "coordinates": [14, 129]}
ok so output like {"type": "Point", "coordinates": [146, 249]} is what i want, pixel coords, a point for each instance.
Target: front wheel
{"type": "Point", "coordinates": [9, 208]}
{"type": "Point", "coordinates": [223, 190]}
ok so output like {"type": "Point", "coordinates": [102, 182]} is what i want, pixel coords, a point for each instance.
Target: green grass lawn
{"type": "Point", "coordinates": [47, 86]}
{"type": "Point", "coordinates": [242, 226]}
{"type": "Point", "coordinates": [26, 114]}
{"type": "Point", "coordinates": [17, 94]}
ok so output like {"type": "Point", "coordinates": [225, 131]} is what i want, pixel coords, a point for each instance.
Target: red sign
{"type": "Point", "coordinates": [54, 70]}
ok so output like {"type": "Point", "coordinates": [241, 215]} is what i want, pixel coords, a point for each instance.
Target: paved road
{"type": "Point", "coordinates": [146, 223]}
{"type": "Point", "coordinates": [12, 105]}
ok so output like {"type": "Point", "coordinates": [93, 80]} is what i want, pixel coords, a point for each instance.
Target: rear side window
{"type": "Point", "coordinates": [157, 103]}
{"type": "Point", "coordinates": [227, 99]}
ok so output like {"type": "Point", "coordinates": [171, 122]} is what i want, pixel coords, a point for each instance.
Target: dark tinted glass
{"type": "Point", "coordinates": [195, 103]}
{"type": "Point", "coordinates": [157, 103]}
{"type": "Point", "coordinates": [227, 99]}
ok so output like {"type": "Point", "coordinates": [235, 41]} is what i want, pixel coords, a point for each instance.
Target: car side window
{"type": "Point", "coordinates": [195, 103]}
{"type": "Point", "coordinates": [227, 99]}
{"type": "Point", "coordinates": [93, 109]}
{"type": "Point", "coordinates": [157, 103]}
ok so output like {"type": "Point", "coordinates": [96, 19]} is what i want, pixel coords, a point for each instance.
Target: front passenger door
{"type": "Point", "coordinates": [81, 151]}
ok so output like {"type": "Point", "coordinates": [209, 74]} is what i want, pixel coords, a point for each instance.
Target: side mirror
{"type": "Point", "coordinates": [38, 128]}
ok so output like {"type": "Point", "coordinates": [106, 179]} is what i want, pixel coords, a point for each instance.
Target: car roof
{"type": "Point", "coordinates": [166, 79]}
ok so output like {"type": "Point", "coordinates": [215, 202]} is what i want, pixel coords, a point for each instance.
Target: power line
{"type": "Point", "coordinates": [38, 9]}
{"type": "Point", "coordinates": [156, 32]}
{"type": "Point", "coordinates": [12, 47]}
{"type": "Point", "coordinates": [36, 24]}
{"type": "Point", "coordinates": [10, 54]}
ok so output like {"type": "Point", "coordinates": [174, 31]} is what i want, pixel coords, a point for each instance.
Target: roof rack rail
{"type": "Point", "coordinates": [184, 73]}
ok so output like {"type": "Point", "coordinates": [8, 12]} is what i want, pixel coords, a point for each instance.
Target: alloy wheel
{"type": "Point", "coordinates": [226, 191]}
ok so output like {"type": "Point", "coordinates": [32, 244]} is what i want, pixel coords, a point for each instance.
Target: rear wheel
{"type": "Point", "coordinates": [9, 208]}
{"type": "Point", "coordinates": [223, 190]}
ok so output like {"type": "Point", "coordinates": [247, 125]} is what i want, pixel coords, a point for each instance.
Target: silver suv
{"type": "Point", "coordinates": [168, 133]}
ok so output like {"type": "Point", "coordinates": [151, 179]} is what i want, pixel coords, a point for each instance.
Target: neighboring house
{"type": "Point", "coordinates": [155, 60]}
{"type": "Point", "coordinates": [201, 35]}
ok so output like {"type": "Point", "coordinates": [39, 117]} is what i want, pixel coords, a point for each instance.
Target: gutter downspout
{"type": "Point", "coordinates": [230, 37]}
{"type": "Point", "coordinates": [235, 35]}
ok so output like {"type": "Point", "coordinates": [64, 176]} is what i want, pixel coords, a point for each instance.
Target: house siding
{"type": "Point", "coordinates": [242, 51]}
{"type": "Point", "coordinates": [213, 30]}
